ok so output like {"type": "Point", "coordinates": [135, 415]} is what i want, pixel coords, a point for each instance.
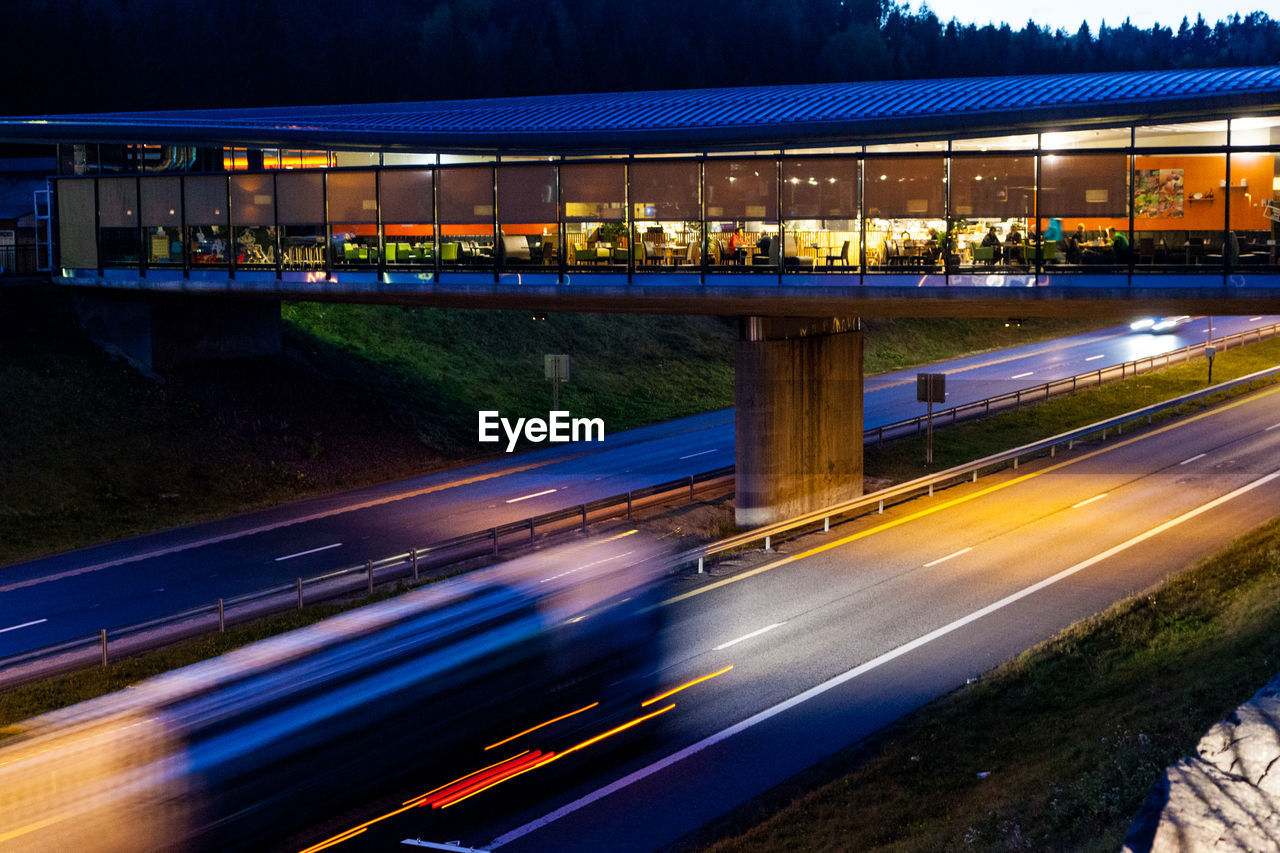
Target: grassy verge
{"type": "Point", "coordinates": [93, 451]}
{"type": "Point", "coordinates": [902, 460]}
{"type": "Point", "coordinates": [1072, 734]}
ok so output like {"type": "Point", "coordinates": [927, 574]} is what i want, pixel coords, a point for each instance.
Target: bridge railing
{"type": "Point", "coordinates": [446, 556]}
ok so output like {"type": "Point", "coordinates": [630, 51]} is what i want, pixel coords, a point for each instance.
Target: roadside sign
{"type": "Point", "coordinates": [556, 367]}
{"type": "Point", "coordinates": [931, 387]}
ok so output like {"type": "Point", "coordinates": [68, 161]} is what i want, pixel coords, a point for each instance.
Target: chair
{"type": "Point", "coordinates": [692, 255]}
{"type": "Point", "coordinates": [791, 255]}
{"type": "Point", "coordinates": [1050, 251]}
{"type": "Point", "coordinates": [1146, 250]}
{"type": "Point", "coordinates": [843, 257]}
{"type": "Point", "coordinates": [984, 254]}
{"type": "Point", "coordinates": [449, 253]}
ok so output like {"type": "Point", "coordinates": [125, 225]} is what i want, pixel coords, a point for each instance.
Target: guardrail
{"type": "Point", "coordinates": [969, 471]}
{"type": "Point", "coordinates": [1013, 399]}
{"type": "Point", "coordinates": [122, 641]}
{"type": "Point", "coordinates": [435, 557]}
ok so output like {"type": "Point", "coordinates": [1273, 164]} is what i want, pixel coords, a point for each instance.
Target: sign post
{"type": "Point", "coordinates": [1209, 353]}
{"type": "Point", "coordinates": [556, 368]}
{"type": "Point", "coordinates": [930, 388]}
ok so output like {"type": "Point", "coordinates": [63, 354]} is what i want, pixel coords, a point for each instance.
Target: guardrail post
{"type": "Point", "coordinates": [530, 530]}
{"type": "Point", "coordinates": [413, 555]}
{"type": "Point", "coordinates": [495, 541]}
{"type": "Point", "coordinates": [975, 475]}
{"type": "Point", "coordinates": [299, 593]}
{"type": "Point", "coordinates": [931, 490]}
{"type": "Point", "coordinates": [1015, 463]}
{"type": "Point", "coordinates": [222, 618]}
{"type": "Point", "coordinates": [103, 636]}
{"type": "Point", "coordinates": [368, 567]}
{"type": "Point", "coordinates": [628, 506]}
{"type": "Point", "coordinates": [1053, 450]}
{"type": "Point", "coordinates": [700, 565]}
{"type": "Point", "coordinates": [1099, 376]}
{"type": "Point", "coordinates": [826, 524]}
{"type": "Point", "coordinates": [1104, 433]}
{"type": "Point", "coordinates": [1119, 429]}
{"type": "Point", "coordinates": [768, 543]}
{"type": "Point", "coordinates": [881, 508]}
{"type": "Point", "coordinates": [1017, 402]}
{"type": "Point", "coordinates": [690, 488]}
{"type": "Point", "coordinates": [584, 518]}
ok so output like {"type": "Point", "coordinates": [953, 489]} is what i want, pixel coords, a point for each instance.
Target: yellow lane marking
{"type": "Point", "coordinates": [945, 505]}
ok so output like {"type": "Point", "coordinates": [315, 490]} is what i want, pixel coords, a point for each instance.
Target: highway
{"type": "Point", "coordinates": [808, 649]}
{"type": "Point", "coordinates": [75, 594]}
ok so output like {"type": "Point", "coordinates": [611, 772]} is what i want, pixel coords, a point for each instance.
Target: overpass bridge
{"type": "Point", "coordinates": [799, 208]}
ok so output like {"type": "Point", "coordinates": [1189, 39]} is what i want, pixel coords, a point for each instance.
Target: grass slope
{"type": "Point", "coordinates": [363, 394]}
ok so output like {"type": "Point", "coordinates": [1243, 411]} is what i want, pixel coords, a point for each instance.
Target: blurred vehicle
{"type": "Point", "coordinates": [235, 752]}
{"type": "Point", "coordinates": [1159, 324]}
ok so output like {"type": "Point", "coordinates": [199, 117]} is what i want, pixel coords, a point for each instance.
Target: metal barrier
{"type": "Point", "coordinates": [102, 647]}
{"type": "Point", "coordinates": [133, 639]}
{"type": "Point", "coordinates": [969, 471]}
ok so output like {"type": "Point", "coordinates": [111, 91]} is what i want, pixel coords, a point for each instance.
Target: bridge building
{"type": "Point", "coordinates": [799, 208]}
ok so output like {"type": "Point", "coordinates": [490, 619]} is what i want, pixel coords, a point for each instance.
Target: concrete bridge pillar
{"type": "Point", "coordinates": [158, 331]}
{"type": "Point", "coordinates": [798, 415]}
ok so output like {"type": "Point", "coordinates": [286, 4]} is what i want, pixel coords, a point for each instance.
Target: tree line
{"type": "Point", "coordinates": [104, 55]}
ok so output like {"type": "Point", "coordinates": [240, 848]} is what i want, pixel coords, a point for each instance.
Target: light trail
{"type": "Point", "coordinates": [674, 690]}
{"type": "Point", "coordinates": [873, 664]}
{"type": "Point", "coordinates": [542, 725]}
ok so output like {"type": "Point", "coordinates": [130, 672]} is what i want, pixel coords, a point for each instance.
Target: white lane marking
{"type": "Point", "coordinates": [948, 557]}
{"type": "Point", "coordinates": [862, 669]}
{"type": "Point", "coordinates": [757, 633]}
{"type": "Point", "coordinates": [1095, 357]}
{"type": "Point", "coordinates": [1192, 459]}
{"type": "Point", "coordinates": [312, 551]}
{"type": "Point", "coordinates": [534, 495]}
{"type": "Point", "coordinates": [1254, 319]}
{"type": "Point", "coordinates": [1022, 375]}
{"type": "Point", "coordinates": [1089, 501]}
{"type": "Point", "coordinates": [703, 453]}
{"type": "Point", "coordinates": [1270, 428]}
{"type": "Point", "coordinates": [23, 625]}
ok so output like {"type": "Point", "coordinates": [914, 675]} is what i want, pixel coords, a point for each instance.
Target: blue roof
{"type": "Point", "coordinates": [694, 119]}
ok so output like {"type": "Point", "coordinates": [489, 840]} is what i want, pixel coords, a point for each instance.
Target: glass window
{"type": "Point", "coordinates": [1254, 196]}
{"type": "Point", "coordinates": [908, 148]}
{"type": "Point", "coordinates": [742, 215]}
{"type": "Point", "coordinates": [1181, 135]}
{"type": "Point", "coordinates": [594, 197]}
{"type": "Point", "coordinates": [77, 243]}
{"type": "Point", "coordinates": [118, 221]}
{"type": "Point", "coordinates": [407, 158]}
{"type": "Point", "coordinates": [208, 237]}
{"type": "Point", "coordinates": [356, 158]}
{"type": "Point", "coordinates": [1178, 211]}
{"type": "Point", "coordinates": [118, 159]}
{"type": "Point", "coordinates": [253, 217]}
{"type": "Point", "coordinates": [903, 198]}
{"type": "Point", "coordinates": [1110, 137]}
{"type": "Point", "coordinates": [1082, 196]}
{"type": "Point", "coordinates": [992, 211]}
{"type": "Point", "coordinates": [1255, 131]}
{"type": "Point", "coordinates": [820, 208]}
{"type": "Point", "coordinates": [1023, 142]}
{"type": "Point", "coordinates": [667, 215]}
{"type": "Point", "coordinates": [408, 223]}
{"type": "Point", "coordinates": [527, 215]}
{"type": "Point", "coordinates": [162, 220]}
{"type": "Point", "coordinates": [300, 212]}
{"type": "Point", "coordinates": [465, 203]}
{"type": "Point", "coordinates": [353, 217]}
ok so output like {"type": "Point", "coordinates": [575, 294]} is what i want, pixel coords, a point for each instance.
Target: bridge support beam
{"type": "Point", "coordinates": [798, 416]}
{"type": "Point", "coordinates": [159, 331]}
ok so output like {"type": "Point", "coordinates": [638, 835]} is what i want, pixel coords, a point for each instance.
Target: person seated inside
{"type": "Point", "coordinates": [1119, 245]}
{"type": "Point", "coordinates": [933, 246]}
{"type": "Point", "coordinates": [1013, 252]}
{"type": "Point", "coordinates": [1074, 245]}
{"type": "Point", "coordinates": [737, 248]}
{"type": "Point", "coordinates": [993, 240]}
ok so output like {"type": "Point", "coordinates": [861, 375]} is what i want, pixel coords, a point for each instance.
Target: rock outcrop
{"type": "Point", "coordinates": [1226, 797]}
